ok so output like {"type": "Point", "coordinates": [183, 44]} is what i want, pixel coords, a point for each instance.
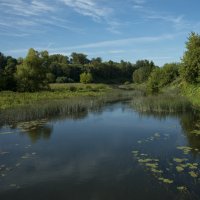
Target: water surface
{"type": "Point", "coordinates": [100, 155]}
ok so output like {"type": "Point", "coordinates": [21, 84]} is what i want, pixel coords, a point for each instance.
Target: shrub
{"type": "Point", "coordinates": [64, 79]}
{"type": "Point", "coordinates": [86, 78]}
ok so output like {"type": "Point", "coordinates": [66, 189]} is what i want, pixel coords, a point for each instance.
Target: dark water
{"type": "Point", "coordinates": [101, 156]}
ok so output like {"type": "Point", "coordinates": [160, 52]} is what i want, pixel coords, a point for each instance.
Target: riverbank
{"type": "Point", "coordinates": [192, 92]}
{"type": "Point", "coordinates": [10, 99]}
{"type": "Point", "coordinates": [175, 92]}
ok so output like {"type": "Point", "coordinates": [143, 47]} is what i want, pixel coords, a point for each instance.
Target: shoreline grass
{"type": "Point", "coordinates": [9, 99]}
{"type": "Point", "coordinates": [75, 107]}
{"type": "Point", "coordinates": [192, 92]}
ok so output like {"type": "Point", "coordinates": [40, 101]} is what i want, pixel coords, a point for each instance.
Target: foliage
{"type": "Point", "coordinates": [31, 74]}
{"type": "Point", "coordinates": [86, 78]}
{"type": "Point", "coordinates": [154, 84]}
{"type": "Point", "coordinates": [10, 99]}
{"type": "Point", "coordinates": [79, 58]}
{"type": "Point", "coordinates": [64, 79]}
{"type": "Point", "coordinates": [161, 77]}
{"type": "Point", "coordinates": [192, 92]}
{"type": "Point", "coordinates": [191, 60]}
{"type": "Point", "coordinates": [144, 70]}
{"type": "Point", "coordinates": [7, 70]}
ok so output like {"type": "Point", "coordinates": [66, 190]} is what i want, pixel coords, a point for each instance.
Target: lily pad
{"type": "Point", "coordinates": [165, 180]}
{"type": "Point", "coordinates": [193, 174]}
{"type": "Point", "coordinates": [179, 168]}
{"type": "Point", "coordinates": [179, 160]}
{"type": "Point", "coordinates": [182, 188]}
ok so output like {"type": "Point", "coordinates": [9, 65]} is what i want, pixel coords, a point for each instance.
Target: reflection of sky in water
{"type": "Point", "coordinates": [90, 158]}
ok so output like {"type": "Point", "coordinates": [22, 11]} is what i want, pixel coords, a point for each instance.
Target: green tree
{"type": "Point", "coordinates": [79, 58]}
{"type": "Point", "coordinates": [190, 71]}
{"type": "Point", "coordinates": [170, 72]}
{"type": "Point", "coordinates": [154, 81]}
{"type": "Point", "coordinates": [144, 69]}
{"type": "Point", "coordinates": [7, 70]}
{"type": "Point", "coordinates": [30, 75]}
{"type": "Point", "coordinates": [86, 78]}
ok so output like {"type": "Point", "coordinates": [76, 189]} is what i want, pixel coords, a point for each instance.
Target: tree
{"type": "Point", "coordinates": [190, 71]}
{"type": "Point", "coordinates": [170, 71]}
{"type": "Point", "coordinates": [7, 70]}
{"type": "Point", "coordinates": [144, 69]}
{"type": "Point", "coordinates": [86, 78]}
{"type": "Point", "coordinates": [30, 75]}
{"type": "Point", "coordinates": [79, 58]}
{"type": "Point", "coordinates": [154, 81]}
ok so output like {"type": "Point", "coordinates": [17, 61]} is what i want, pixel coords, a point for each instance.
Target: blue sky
{"type": "Point", "coordinates": [112, 29]}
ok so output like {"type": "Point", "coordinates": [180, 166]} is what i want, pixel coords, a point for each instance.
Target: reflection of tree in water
{"type": "Point", "coordinates": [40, 133]}
{"type": "Point", "coordinates": [159, 115]}
{"type": "Point", "coordinates": [190, 123]}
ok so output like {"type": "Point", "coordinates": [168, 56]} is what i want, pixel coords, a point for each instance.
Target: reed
{"type": "Point", "coordinates": [162, 103]}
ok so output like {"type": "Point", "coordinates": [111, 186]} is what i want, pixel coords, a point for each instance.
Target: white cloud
{"type": "Point", "coordinates": [24, 8]}
{"type": "Point", "coordinates": [98, 12]}
{"type": "Point", "coordinates": [105, 44]}
{"type": "Point", "coordinates": [21, 18]}
{"type": "Point", "coordinates": [177, 21]}
{"type": "Point", "coordinates": [88, 8]}
{"type": "Point", "coordinates": [123, 42]}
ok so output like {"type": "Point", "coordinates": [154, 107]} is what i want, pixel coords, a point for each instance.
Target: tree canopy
{"type": "Point", "coordinates": [191, 60]}
{"type": "Point", "coordinates": [31, 74]}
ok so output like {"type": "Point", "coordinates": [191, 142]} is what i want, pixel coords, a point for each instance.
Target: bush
{"type": "Point", "coordinates": [72, 88]}
{"type": "Point", "coordinates": [64, 79]}
{"type": "Point", "coordinates": [86, 78]}
{"type": "Point", "coordinates": [154, 84]}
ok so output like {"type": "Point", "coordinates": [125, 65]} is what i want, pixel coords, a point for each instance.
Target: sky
{"type": "Point", "coordinates": [128, 30]}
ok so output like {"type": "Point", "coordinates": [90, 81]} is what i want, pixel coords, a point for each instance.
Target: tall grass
{"type": "Point", "coordinates": [10, 99]}
{"type": "Point", "coordinates": [74, 107]}
{"type": "Point", "coordinates": [192, 92]}
{"type": "Point", "coordinates": [162, 103]}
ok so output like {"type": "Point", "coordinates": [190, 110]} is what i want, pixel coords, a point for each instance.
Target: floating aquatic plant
{"type": "Point", "coordinates": [179, 168]}
{"type": "Point", "coordinates": [165, 180]}
{"type": "Point", "coordinates": [182, 188]}
{"type": "Point", "coordinates": [193, 174]}
{"type": "Point", "coordinates": [196, 132]}
{"type": "Point", "coordinates": [179, 160]}
{"type": "Point", "coordinates": [186, 150]}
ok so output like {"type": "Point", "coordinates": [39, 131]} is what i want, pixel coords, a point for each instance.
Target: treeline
{"type": "Point", "coordinates": [38, 69]}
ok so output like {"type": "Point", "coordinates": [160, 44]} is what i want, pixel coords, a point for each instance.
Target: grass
{"type": "Point", "coordinates": [192, 92]}
{"type": "Point", "coordinates": [73, 107]}
{"type": "Point", "coordinates": [10, 99]}
{"type": "Point", "coordinates": [162, 103]}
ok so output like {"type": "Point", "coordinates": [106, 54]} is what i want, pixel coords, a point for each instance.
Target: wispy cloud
{"type": "Point", "coordinates": [177, 21]}
{"type": "Point", "coordinates": [123, 42]}
{"type": "Point", "coordinates": [88, 8]}
{"type": "Point", "coordinates": [24, 8]}
{"type": "Point", "coordinates": [106, 44]}
{"type": "Point", "coordinates": [98, 12]}
{"type": "Point", "coordinates": [21, 17]}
